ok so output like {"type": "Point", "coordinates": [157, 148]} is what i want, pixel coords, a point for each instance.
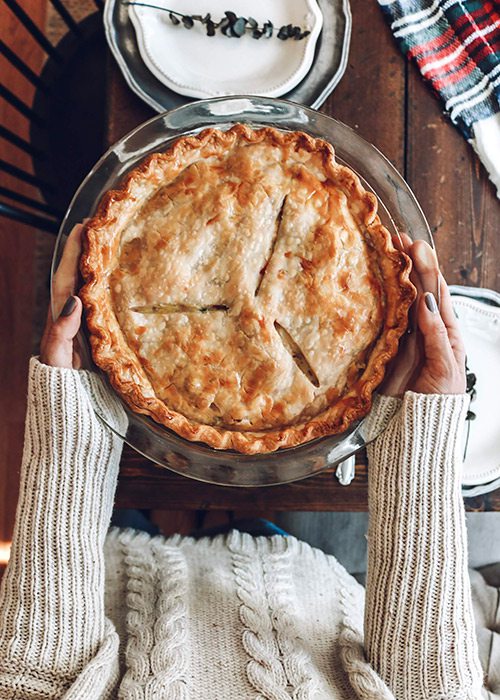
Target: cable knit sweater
{"type": "Point", "coordinates": [88, 614]}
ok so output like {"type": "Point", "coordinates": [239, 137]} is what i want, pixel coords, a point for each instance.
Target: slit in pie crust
{"type": "Point", "coordinates": [241, 290]}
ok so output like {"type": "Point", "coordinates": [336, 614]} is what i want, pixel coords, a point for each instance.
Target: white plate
{"type": "Point", "coordinates": [195, 65]}
{"type": "Point", "coordinates": [479, 323]}
{"type": "Point", "coordinates": [329, 65]}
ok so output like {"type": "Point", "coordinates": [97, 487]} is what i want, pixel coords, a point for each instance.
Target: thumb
{"type": "Point", "coordinates": [436, 342]}
{"type": "Point", "coordinates": [57, 350]}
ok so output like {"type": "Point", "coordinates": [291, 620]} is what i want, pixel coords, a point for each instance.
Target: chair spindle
{"type": "Point", "coordinates": [37, 35]}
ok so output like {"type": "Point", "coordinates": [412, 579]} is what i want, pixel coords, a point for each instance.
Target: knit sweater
{"type": "Point", "coordinates": [88, 614]}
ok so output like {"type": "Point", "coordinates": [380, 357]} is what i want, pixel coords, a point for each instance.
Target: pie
{"type": "Point", "coordinates": [241, 290]}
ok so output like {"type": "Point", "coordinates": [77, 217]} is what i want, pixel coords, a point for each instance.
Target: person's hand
{"type": "Point", "coordinates": [59, 347]}
{"type": "Point", "coordinates": [431, 358]}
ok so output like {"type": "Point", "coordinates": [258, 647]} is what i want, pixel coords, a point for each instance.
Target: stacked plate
{"type": "Point", "coordinates": [478, 312]}
{"type": "Point", "coordinates": [167, 64]}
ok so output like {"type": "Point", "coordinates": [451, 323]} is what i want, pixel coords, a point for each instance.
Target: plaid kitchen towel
{"type": "Point", "coordinates": [456, 44]}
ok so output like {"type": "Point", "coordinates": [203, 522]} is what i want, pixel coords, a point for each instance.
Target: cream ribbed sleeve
{"type": "Point", "coordinates": [419, 626]}
{"type": "Point", "coordinates": [236, 617]}
{"type": "Point", "coordinates": [54, 638]}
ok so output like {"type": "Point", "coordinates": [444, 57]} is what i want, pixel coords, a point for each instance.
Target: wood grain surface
{"type": "Point", "coordinates": [17, 245]}
{"type": "Point", "coordinates": [454, 191]}
{"type": "Point", "coordinates": [387, 102]}
{"type": "Point", "coordinates": [143, 484]}
{"type": "Point", "coordinates": [371, 96]}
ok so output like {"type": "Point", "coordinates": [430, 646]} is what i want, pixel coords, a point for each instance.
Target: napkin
{"type": "Point", "coordinates": [456, 44]}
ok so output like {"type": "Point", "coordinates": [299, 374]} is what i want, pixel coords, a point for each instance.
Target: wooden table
{"type": "Point", "coordinates": [385, 99]}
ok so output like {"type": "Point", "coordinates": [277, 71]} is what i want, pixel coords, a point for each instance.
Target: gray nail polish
{"type": "Point", "coordinates": [430, 302]}
{"type": "Point", "coordinates": [68, 307]}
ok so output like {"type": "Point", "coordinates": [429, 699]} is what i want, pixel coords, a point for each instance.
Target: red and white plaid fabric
{"type": "Point", "coordinates": [456, 45]}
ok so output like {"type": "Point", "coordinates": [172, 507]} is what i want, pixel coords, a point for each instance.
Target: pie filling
{"type": "Point", "coordinates": [243, 283]}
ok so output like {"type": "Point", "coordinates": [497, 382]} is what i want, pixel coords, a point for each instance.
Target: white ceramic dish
{"type": "Point", "coordinates": [330, 58]}
{"type": "Point", "coordinates": [479, 322]}
{"type": "Point", "coordinates": [193, 64]}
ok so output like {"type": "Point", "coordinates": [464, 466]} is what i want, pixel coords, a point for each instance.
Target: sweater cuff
{"type": "Point", "coordinates": [421, 422]}
{"type": "Point", "coordinates": [439, 420]}
{"type": "Point", "coordinates": [89, 389]}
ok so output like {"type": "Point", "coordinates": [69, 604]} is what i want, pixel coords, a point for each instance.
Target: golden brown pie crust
{"type": "Point", "coordinates": [241, 290]}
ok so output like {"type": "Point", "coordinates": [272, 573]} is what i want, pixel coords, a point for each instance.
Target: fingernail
{"type": "Point", "coordinates": [430, 302]}
{"type": "Point", "coordinates": [68, 307]}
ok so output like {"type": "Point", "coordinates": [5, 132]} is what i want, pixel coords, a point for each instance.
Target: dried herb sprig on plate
{"type": "Point", "coordinates": [471, 390]}
{"type": "Point", "coordinates": [231, 25]}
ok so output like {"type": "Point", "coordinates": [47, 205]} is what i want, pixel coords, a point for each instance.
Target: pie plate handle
{"type": "Point", "coordinates": [346, 470]}
{"type": "Point", "coordinates": [365, 432]}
